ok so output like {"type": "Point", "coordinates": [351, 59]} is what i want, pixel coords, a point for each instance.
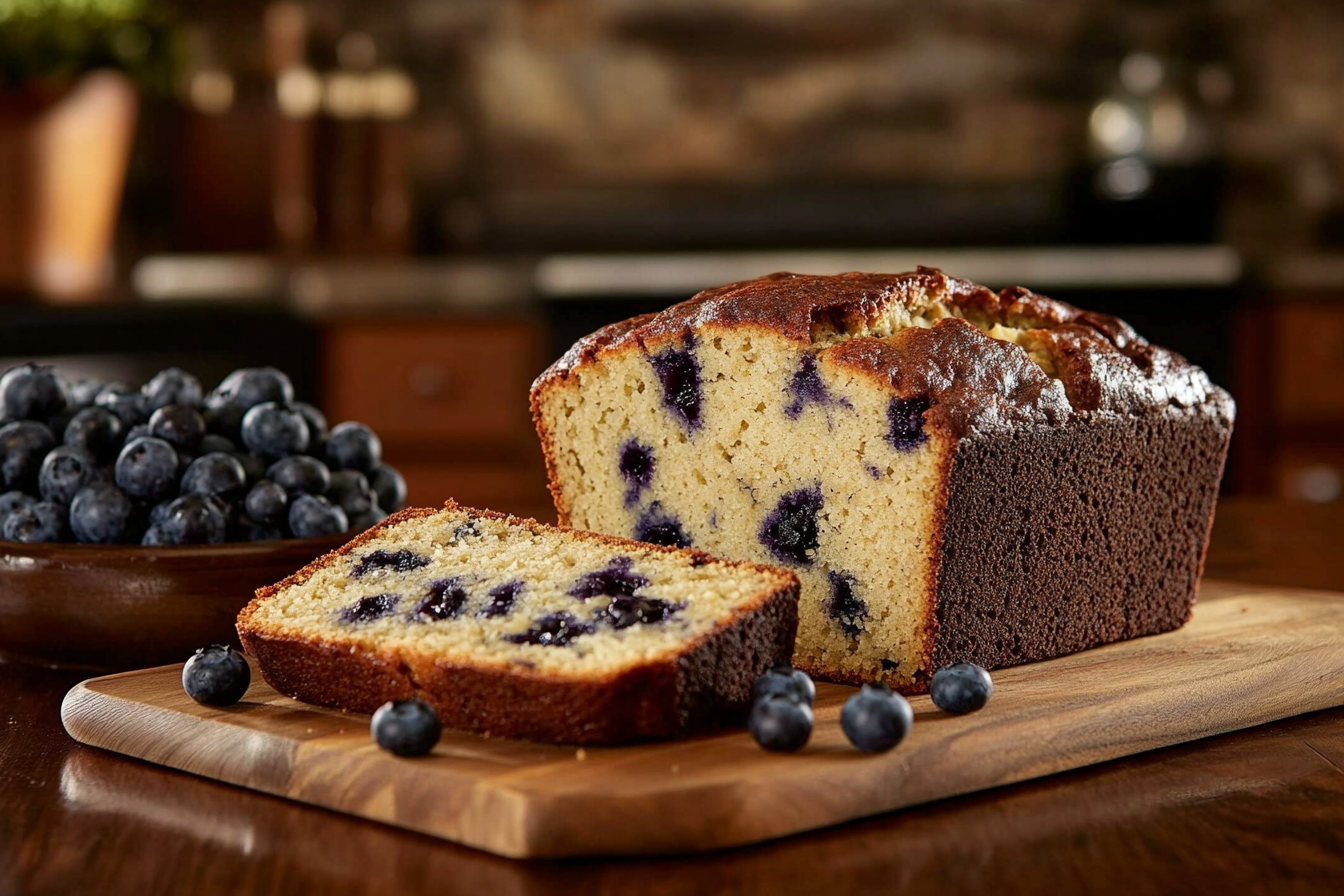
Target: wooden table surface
{"type": "Point", "coordinates": [1257, 811]}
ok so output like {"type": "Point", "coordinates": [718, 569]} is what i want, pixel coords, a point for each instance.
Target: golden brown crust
{"type": "Point", "coordinates": [707, 684]}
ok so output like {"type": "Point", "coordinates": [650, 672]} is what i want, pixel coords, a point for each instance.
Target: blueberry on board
{"type": "Point", "coordinates": [406, 727]}
{"type": "Point", "coordinates": [43, 522]}
{"type": "Point", "coordinates": [217, 474]}
{"type": "Point", "coordinates": [780, 724]}
{"type": "Point", "coordinates": [311, 516]}
{"type": "Point", "coordinates": [181, 426]}
{"type": "Point", "coordinates": [23, 445]}
{"type": "Point", "coordinates": [390, 488]}
{"type": "Point", "coordinates": [96, 430]}
{"type": "Point", "coordinates": [33, 392]}
{"type": "Point", "coordinates": [785, 681]}
{"type": "Point", "coordinates": [217, 675]}
{"type": "Point", "coordinates": [300, 474]}
{"type": "Point", "coordinates": [103, 514]}
{"type": "Point", "coordinates": [961, 688]}
{"type": "Point", "coordinates": [127, 404]}
{"type": "Point", "coordinates": [194, 519]}
{"type": "Point", "coordinates": [172, 386]}
{"type": "Point", "coordinates": [353, 446]}
{"type": "Point", "coordinates": [250, 386]}
{"type": "Point", "coordinates": [147, 469]}
{"type": "Point", "coordinates": [267, 503]}
{"type": "Point", "coordinates": [64, 472]}
{"type": "Point", "coordinates": [273, 430]}
{"type": "Point", "coordinates": [875, 719]}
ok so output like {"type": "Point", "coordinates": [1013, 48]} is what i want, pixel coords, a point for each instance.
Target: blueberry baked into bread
{"type": "Point", "coordinates": [954, 474]}
{"type": "Point", "coordinates": [517, 629]}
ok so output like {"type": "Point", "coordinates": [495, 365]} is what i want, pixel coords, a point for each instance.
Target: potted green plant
{"type": "Point", "coordinates": [70, 75]}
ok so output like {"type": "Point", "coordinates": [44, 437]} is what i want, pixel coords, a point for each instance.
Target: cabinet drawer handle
{"type": "Point", "coordinates": [430, 381]}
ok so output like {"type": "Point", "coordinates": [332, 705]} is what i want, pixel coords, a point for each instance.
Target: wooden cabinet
{"type": "Point", "coordinates": [449, 398]}
{"type": "Point", "coordinates": [1290, 393]}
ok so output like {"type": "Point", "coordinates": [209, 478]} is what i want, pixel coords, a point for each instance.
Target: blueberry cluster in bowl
{"type": "Point", "coordinates": [168, 464]}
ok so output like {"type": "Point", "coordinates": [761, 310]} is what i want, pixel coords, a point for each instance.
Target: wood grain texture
{"type": "Point", "coordinates": [1250, 656]}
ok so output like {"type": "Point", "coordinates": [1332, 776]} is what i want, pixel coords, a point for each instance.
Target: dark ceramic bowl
{"type": "Point", "coordinates": [131, 607]}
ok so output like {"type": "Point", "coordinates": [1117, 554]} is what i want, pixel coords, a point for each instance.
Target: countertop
{"type": "Point", "coordinates": [1256, 811]}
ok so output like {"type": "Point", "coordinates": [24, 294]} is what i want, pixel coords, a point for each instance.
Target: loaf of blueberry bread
{"type": "Point", "coordinates": [517, 629]}
{"type": "Point", "coordinates": [954, 474]}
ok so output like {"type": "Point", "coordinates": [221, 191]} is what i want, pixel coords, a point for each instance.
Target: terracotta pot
{"type": "Point", "coordinates": [62, 169]}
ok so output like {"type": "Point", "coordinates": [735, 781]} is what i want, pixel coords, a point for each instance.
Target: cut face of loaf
{"type": "Point", "coordinates": [953, 474]}
{"type": "Point", "coordinates": [521, 630]}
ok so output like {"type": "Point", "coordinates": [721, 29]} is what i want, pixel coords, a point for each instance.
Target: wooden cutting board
{"type": "Point", "coordinates": [1250, 655]}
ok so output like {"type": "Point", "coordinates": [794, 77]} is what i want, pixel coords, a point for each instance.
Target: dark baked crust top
{"type": "Point", "coordinates": [975, 382]}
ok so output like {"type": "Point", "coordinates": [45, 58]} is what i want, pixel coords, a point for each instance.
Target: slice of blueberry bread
{"type": "Point", "coordinates": [954, 474]}
{"type": "Point", "coordinates": [518, 629]}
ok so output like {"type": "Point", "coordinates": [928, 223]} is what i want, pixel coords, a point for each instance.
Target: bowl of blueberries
{"type": "Point", "coordinates": [136, 522]}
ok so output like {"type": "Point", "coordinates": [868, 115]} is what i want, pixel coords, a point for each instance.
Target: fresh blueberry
{"type": "Point", "coordinates": [791, 532]}
{"type": "Point", "coordinates": [181, 426]}
{"type": "Point", "coordinates": [268, 503]}
{"type": "Point", "coordinates": [154, 537]}
{"type": "Point", "coordinates": [217, 675]}
{"type": "Point", "coordinates": [353, 446]}
{"type": "Point", "coordinates": [905, 418]}
{"type": "Point", "coordinates": [350, 490]}
{"type": "Point", "coordinates": [785, 681]}
{"type": "Point", "coordinates": [679, 372]}
{"type": "Point", "coordinates": [253, 532]}
{"type": "Point", "coordinates": [211, 443]}
{"type": "Point", "coordinates": [554, 630]}
{"type": "Point", "coordinates": [780, 724]}
{"type": "Point", "coordinates": [193, 519]}
{"type": "Point", "coordinates": [389, 486]}
{"type": "Point", "coordinates": [23, 445]}
{"type": "Point", "coordinates": [138, 431]}
{"type": "Point", "coordinates": [172, 386]}
{"type": "Point", "coordinates": [217, 474]}
{"type": "Point", "coordinates": [361, 522]}
{"type": "Point", "coordinates": [961, 688]}
{"type": "Point", "coordinates": [96, 430]}
{"type": "Point", "coordinates": [313, 517]}
{"type": "Point", "coordinates": [12, 501]}
{"type": "Point", "coordinates": [83, 392]}
{"type": "Point", "coordinates": [254, 466]}
{"type": "Point", "coordinates": [317, 428]}
{"type": "Point", "coordinates": [42, 522]}
{"type": "Point", "coordinates": [300, 474]}
{"type": "Point", "coordinates": [250, 386]}
{"type": "Point", "coordinates": [33, 392]}
{"type": "Point", "coordinates": [274, 430]}
{"type": "Point", "coordinates": [64, 472]}
{"type": "Point", "coordinates": [875, 719]}
{"type": "Point", "coordinates": [406, 727]}
{"type": "Point", "coordinates": [103, 514]}
{"type": "Point", "coordinates": [127, 404]}
{"type": "Point", "coordinates": [224, 420]}
{"type": "Point", "coordinates": [147, 469]}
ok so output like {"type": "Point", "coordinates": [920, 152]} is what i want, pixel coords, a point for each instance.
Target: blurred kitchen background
{"type": "Point", "coordinates": [413, 206]}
